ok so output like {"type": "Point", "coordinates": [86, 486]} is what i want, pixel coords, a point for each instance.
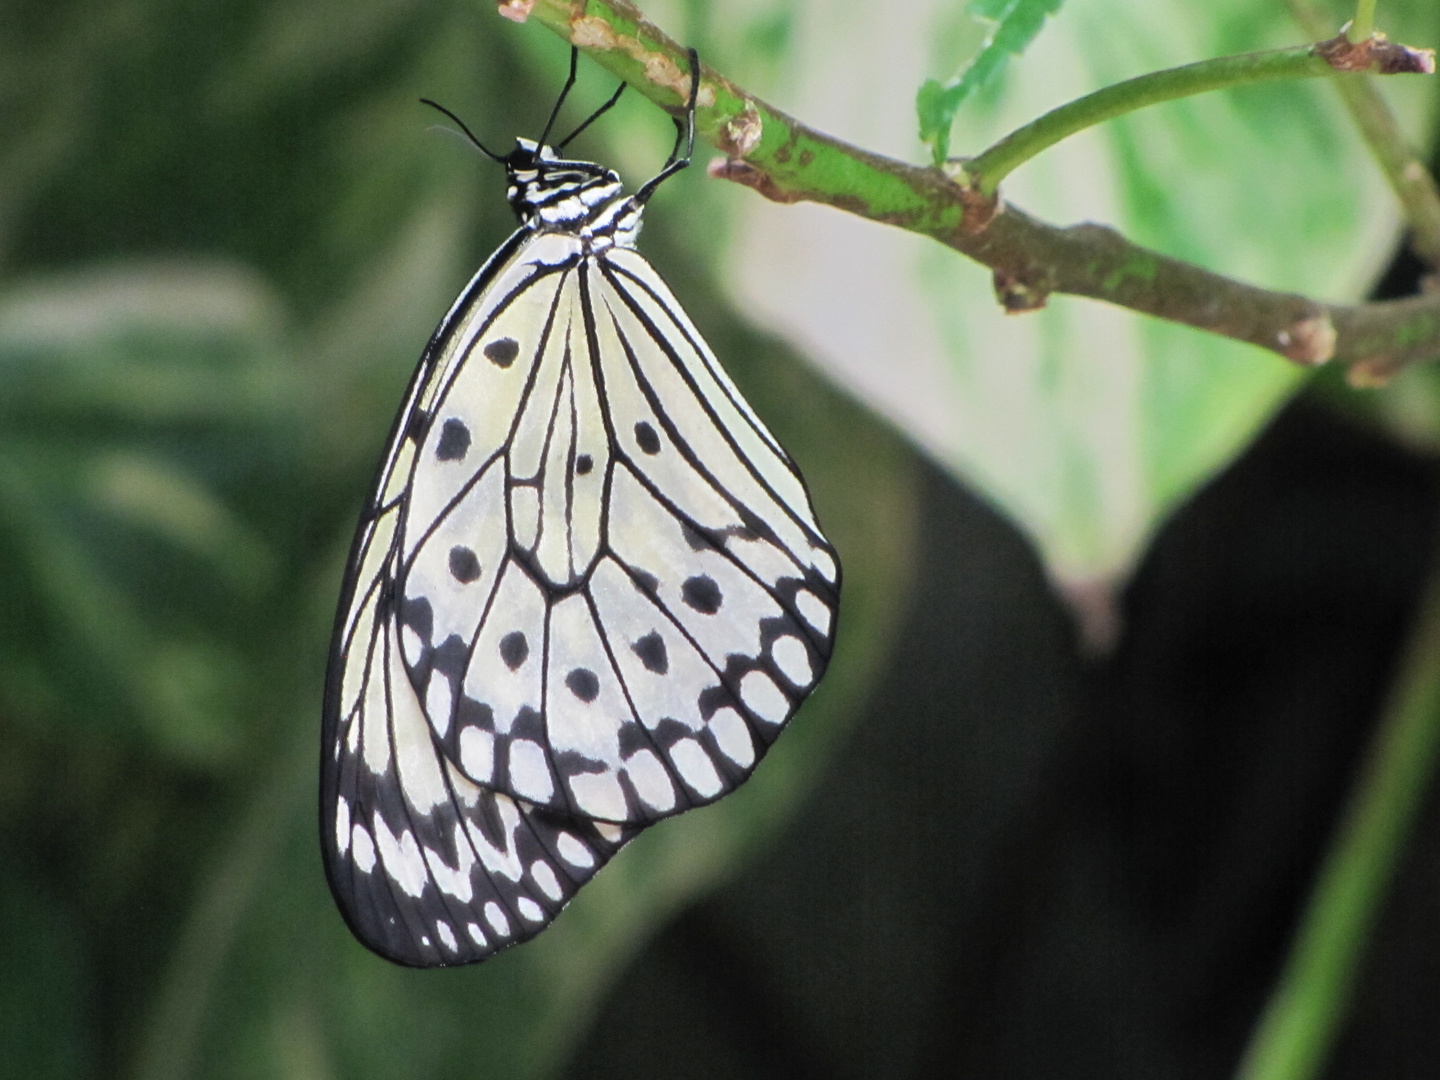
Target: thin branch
{"type": "Point", "coordinates": [788, 162]}
{"type": "Point", "coordinates": [986, 170]}
{"type": "Point", "coordinates": [1407, 175]}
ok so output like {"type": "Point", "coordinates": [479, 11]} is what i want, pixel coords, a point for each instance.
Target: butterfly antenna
{"type": "Point", "coordinates": [564, 92]}
{"type": "Point", "coordinates": [684, 136]}
{"type": "Point", "coordinates": [601, 111]}
{"type": "Point", "coordinates": [468, 133]}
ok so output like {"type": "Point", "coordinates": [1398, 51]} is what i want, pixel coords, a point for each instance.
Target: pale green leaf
{"type": "Point", "coordinates": [1085, 424]}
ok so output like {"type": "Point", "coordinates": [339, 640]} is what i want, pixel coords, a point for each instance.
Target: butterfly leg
{"type": "Point", "coordinates": [564, 93]}
{"type": "Point", "coordinates": [684, 136]}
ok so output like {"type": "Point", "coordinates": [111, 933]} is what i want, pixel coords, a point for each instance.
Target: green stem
{"type": "Point", "coordinates": [1306, 1009]}
{"type": "Point", "coordinates": [1363, 25]}
{"type": "Point", "coordinates": [993, 165]}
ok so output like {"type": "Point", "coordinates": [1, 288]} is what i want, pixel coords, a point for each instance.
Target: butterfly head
{"type": "Point", "coordinates": [548, 191]}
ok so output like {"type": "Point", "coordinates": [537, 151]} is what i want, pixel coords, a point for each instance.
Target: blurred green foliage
{"type": "Point", "coordinates": [225, 234]}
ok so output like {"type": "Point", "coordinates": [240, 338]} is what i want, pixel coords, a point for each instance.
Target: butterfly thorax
{"type": "Point", "coordinates": [550, 194]}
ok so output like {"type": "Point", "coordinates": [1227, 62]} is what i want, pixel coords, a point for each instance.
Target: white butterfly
{"type": "Point", "coordinates": [588, 591]}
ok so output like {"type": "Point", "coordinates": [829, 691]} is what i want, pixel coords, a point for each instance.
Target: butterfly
{"type": "Point", "coordinates": [587, 592]}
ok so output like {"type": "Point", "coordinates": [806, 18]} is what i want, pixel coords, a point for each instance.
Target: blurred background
{"type": "Point", "coordinates": [983, 848]}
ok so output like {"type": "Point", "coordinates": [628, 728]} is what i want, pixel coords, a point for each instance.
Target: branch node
{"type": "Point", "coordinates": [739, 135]}
{"type": "Point", "coordinates": [979, 209]}
{"type": "Point", "coordinates": [1016, 295]}
{"type": "Point", "coordinates": [1376, 53]}
{"type": "Point", "coordinates": [1095, 607]}
{"type": "Point", "coordinates": [1309, 341]}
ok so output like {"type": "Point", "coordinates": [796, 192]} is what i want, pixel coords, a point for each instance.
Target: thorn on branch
{"type": "Point", "coordinates": [1376, 53]}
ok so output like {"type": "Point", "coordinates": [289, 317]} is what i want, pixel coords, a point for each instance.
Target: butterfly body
{"type": "Point", "coordinates": [588, 591]}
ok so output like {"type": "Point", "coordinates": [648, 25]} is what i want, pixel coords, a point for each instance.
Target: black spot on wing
{"type": "Point", "coordinates": [502, 351]}
{"type": "Point", "coordinates": [651, 651]}
{"type": "Point", "coordinates": [572, 763]}
{"type": "Point", "coordinates": [646, 438]}
{"type": "Point", "coordinates": [474, 713]}
{"type": "Point", "coordinates": [702, 593]}
{"type": "Point", "coordinates": [583, 683]}
{"type": "Point", "coordinates": [583, 464]}
{"type": "Point", "coordinates": [454, 441]}
{"type": "Point", "coordinates": [632, 739]}
{"type": "Point", "coordinates": [417, 425]}
{"type": "Point", "coordinates": [451, 657]}
{"type": "Point", "coordinates": [486, 815]}
{"type": "Point", "coordinates": [714, 698]}
{"type": "Point", "coordinates": [758, 527]}
{"type": "Point", "coordinates": [696, 540]}
{"type": "Point", "coordinates": [514, 648]}
{"type": "Point", "coordinates": [464, 564]}
{"type": "Point", "coordinates": [416, 613]}
{"type": "Point", "coordinates": [668, 731]}
{"type": "Point", "coordinates": [528, 724]}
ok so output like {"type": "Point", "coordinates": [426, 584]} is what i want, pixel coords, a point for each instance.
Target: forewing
{"type": "Point", "coordinates": [708, 613]}
{"type": "Point", "coordinates": [614, 593]}
{"type": "Point", "coordinates": [429, 867]}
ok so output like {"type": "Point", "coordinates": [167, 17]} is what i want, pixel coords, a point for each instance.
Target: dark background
{"type": "Point", "coordinates": [1027, 865]}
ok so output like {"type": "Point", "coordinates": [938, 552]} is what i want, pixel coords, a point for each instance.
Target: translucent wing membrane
{"type": "Point", "coordinates": [588, 592]}
{"type": "Point", "coordinates": [432, 869]}
{"type": "Point", "coordinates": [661, 599]}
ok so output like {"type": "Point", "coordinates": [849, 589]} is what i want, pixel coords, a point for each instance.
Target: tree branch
{"type": "Point", "coordinates": [788, 162]}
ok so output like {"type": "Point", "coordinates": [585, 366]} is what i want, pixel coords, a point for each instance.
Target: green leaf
{"type": "Point", "coordinates": [1016, 23]}
{"type": "Point", "coordinates": [1085, 424]}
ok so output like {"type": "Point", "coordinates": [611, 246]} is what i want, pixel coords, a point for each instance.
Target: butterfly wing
{"type": "Point", "coordinates": [428, 867]}
{"type": "Point", "coordinates": [718, 595]}
{"type": "Point", "coordinates": [588, 594]}
{"type": "Point", "coordinates": [621, 594]}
